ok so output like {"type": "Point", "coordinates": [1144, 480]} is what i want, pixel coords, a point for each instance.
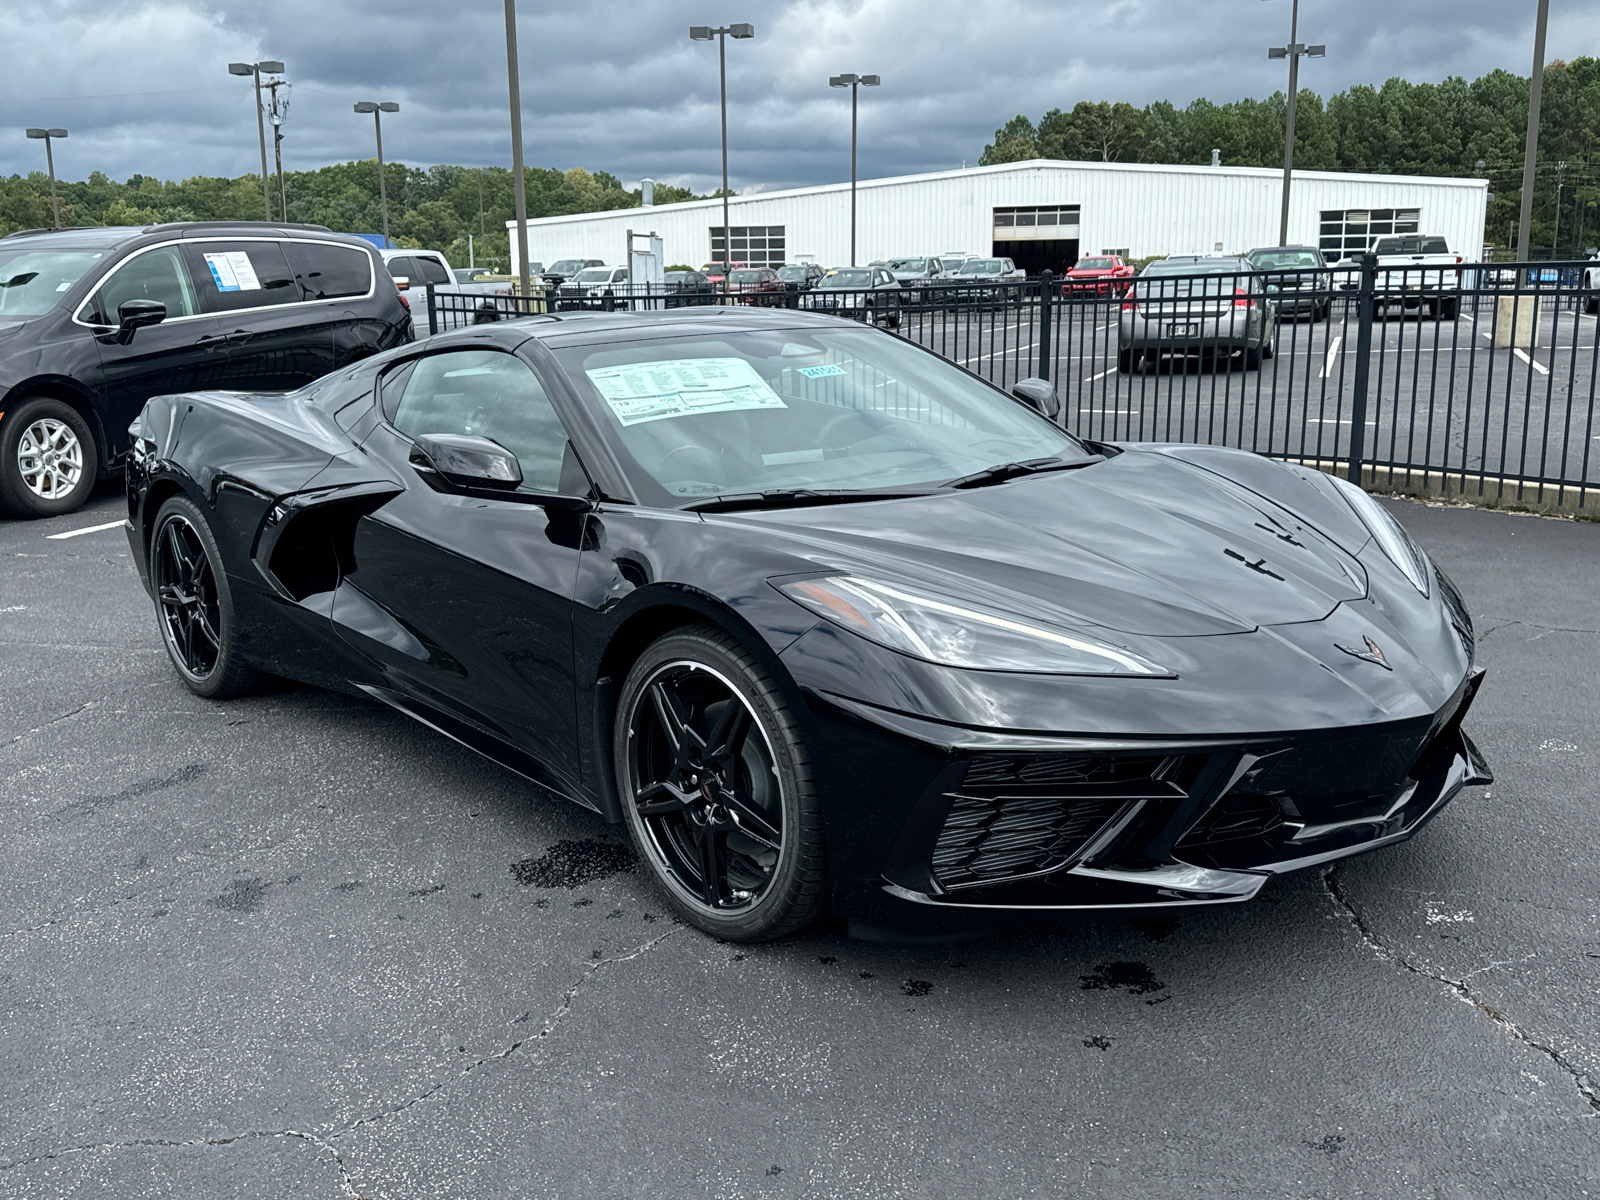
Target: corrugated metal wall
{"type": "Point", "coordinates": [1144, 208]}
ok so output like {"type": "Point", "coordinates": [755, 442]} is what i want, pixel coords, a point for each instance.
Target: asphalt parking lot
{"type": "Point", "coordinates": [294, 945]}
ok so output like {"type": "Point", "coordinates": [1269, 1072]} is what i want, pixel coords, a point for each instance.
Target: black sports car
{"type": "Point", "coordinates": [824, 619]}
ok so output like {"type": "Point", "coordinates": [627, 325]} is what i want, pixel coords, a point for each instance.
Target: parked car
{"type": "Point", "coordinates": [979, 279]}
{"type": "Point", "coordinates": [1196, 305]}
{"type": "Point", "coordinates": [489, 274]}
{"type": "Point", "coordinates": [688, 288]}
{"type": "Point", "coordinates": [1417, 271]}
{"type": "Point", "coordinates": [1591, 287]}
{"type": "Point", "coordinates": [868, 293]}
{"type": "Point", "coordinates": [1301, 281]}
{"type": "Point", "coordinates": [757, 285]}
{"type": "Point", "coordinates": [564, 269]}
{"type": "Point", "coordinates": [93, 322]}
{"type": "Point", "coordinates": [848, 627]}
{"type": "Point", "coordinates": [1101, 275]}
{"type": "Point", "coordinates": [588, 288]}
{"type": "Point", "coordinates": [800, 277]}
{"type": "Point", "coordinates": [911, 273]}
{"type": "Point", "coordinates": [717, 272]}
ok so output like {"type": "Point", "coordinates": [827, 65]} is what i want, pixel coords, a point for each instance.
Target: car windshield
{"type": "Point", "coordinates": [566, 266]}
{"type": "Point", "coordinates": [1284, 260]}
{"type": "Point", "coordinates": [981, 266]}
{"type": "Point", "coordinates": [1095, 264]}
{"type": "Point", "coordinates": [847, 279]}
{"type": "Point", "coordinates": [32, 282]}
{"type": "Point", "coordinates": [791, 274]}
{"type": "Point", "coordinates": [1219, 277]}
{"type": "Point", "coordinates": [1411, 245]}
{"type": "Point", "coordinates": [593, 275]}
{"type": "Point", "coordinates": [908, 264]}
{"type": "Point", "coordinates": [747, 277]}
{"type": "Point", "coordinates": [710, 414]}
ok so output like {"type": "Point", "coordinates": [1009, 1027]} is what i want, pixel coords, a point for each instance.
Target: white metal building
{"type": "Point", "coordinates": [1042, 213]}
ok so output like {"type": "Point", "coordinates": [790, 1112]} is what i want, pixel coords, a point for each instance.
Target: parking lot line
{"type": "Point", "coordinates": [56, 537]}
{"type": "Point", "coordinates": [1333, 348]}
{"type": "Point", "coordinates": [1537, 366]}
{"type": "Point", "coordinates": [1102, 375]}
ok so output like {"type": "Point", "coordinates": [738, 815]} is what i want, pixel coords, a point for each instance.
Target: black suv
{"type": "Point", "coordinates": [93, 322]}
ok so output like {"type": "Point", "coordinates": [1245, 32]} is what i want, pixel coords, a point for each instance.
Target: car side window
{"type": "Point", "coordinates": [484, 393]}
{"type": "Point", "coordinates": [231, 276]}
{"type": "Point", "coordinates": [326, 270]}
{"type": "Point", "coordinates": [154, 275]}
{"type": "Point", "coordinates": [427, 270]}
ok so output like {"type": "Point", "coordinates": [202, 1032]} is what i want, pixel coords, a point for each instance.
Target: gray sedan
{"type": "Point", "coordinates": [1193, 305]}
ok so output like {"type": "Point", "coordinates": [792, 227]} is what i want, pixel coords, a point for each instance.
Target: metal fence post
{"type": "Point", "coordinates": [432, 320]}
{"type": "Point", "coordinates": [1358, 400]}
{"type": "Point", "coordinates": [1046, 288]}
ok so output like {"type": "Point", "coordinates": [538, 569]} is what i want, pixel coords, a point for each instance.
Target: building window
{"type": "Point", "coordinates": [1122, 253]}
{"type": "Point", "coordinates": [754, 245]}
{"type": "Point", "coordinates": [1036, 215]}
{"type": "Point", "coordinates": [1351, 231]}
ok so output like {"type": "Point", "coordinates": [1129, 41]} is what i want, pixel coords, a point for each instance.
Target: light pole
{"type": "Point", "coordinates": [50, 161]}
{"type": "Point", "coordinates": [1293, 52]}
{"type": "Point", "coordinates": [518, 184]}
{"type": "Point", "coordinates": [377, 109]}
{"type": "Point", "coordinates": [854, 83]}
{"type": "Point", "coordinates": [254, 70]}
{"type": "Point", "coordinates": [1531, 150]}
{"type": "Point", "coordinates": [704, 33]}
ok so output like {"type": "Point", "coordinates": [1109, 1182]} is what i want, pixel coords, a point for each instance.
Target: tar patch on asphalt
{"type": "Point", "coordinates": [573, 864]}
{"type": "Point", "coordinates": [242, 896]}
{"type": "Point", "coordinates": [916, 987]}
{"type": "Point", "coordinates": [1131, 977]}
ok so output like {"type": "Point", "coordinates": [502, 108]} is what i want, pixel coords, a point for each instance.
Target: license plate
{"type": "Point", "coordinates": [1183, 331]}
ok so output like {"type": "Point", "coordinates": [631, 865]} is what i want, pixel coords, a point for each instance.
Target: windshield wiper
{"type": "Point", "coordinates": [799, 498]}
{"type": "Point", "coordinates": [1012, 470]}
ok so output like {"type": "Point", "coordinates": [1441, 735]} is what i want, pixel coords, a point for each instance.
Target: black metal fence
{"type": "Point", "coordinates": [1472, 380]}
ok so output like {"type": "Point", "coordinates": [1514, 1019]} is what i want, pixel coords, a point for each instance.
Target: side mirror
{"type": "Point", "coordinates": [133, 314]}
{"type": "Point", "coordinates": [469, 462]}
{"type": "Point", "coordinates": [1039, 394]}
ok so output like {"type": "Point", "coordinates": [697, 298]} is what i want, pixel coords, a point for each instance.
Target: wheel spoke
{"type": "Point", "coordinates": [674, 719]}
{"type": "Point", "coordinates": [712, 885]}
{"type": "Point", "coordinates": [727, 736]}
{"type": "Point", "coordinates": [674, 800]}
{"type": "Point", "coordinates": [190, 649]}
{"type": "Point", "coordinates": [750, 819]}
{"type": "Point", "coordinates": [202, 620]}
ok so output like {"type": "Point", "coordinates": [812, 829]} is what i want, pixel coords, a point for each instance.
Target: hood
{"type": "Point", "coordinates": [1143, 544]}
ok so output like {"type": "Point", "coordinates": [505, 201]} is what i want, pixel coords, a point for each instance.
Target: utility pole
{"type": "Point", "coordinates": [279, 112]}
{"type": "Point", "coordinates": [1293, 52]}
{"type": "Point", "coordinates": [50, 161]}
{"type": "Point", "coordinates": [254, 70]}
{"type": "Point", "coordinates": [1530, 151]}
{"type": "Point", "coordinates": [518, 186]}
{"type": "Point", "coordinates": [1561, 178]}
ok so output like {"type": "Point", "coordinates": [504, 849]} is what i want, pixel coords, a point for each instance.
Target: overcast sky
{"type": "Point", "coordinates": [143, 85]}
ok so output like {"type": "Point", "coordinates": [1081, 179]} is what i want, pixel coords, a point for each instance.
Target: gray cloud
{"type": "Point", "coordinates": [143, 84]}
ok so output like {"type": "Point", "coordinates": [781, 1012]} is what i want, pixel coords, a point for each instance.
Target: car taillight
{"type": "Point", "coordinates": [406, 302]}
{"type": "Point", "coordinates": [1129, 305]}
{"type": "Point", "coordinates": [1241, 298]}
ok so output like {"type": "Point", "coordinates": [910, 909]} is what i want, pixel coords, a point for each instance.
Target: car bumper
{"type": "Point", "coordinates": [1189, 334]}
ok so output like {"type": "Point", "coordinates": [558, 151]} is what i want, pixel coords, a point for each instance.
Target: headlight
{"type": "Point", "coordinates": [1394, 540]}
{"type": "Point", "coordinates": [956, 635]}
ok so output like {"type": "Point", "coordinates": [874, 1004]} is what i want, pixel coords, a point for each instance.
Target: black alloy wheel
{"type": "Point", "coordinates": [716, 786]}
{"type": "Point", "coordinates": [194, 604]}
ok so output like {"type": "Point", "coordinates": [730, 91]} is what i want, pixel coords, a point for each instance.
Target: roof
{"type": "Point", "coordinates": [112, 235]}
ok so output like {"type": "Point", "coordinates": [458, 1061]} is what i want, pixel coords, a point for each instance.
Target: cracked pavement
{"type": "Point", "coordinates": [295, 946]}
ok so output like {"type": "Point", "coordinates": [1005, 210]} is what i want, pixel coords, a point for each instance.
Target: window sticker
{"type": "Point", "coordinates": [823, 371]}
{"type": "Point", "coordinates": [231, 271]}
{"type": "Point", "coordinates": [653, 391]}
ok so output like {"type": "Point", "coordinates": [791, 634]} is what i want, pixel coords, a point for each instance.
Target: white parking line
{"type": "Point", "coordinates": [1333, 348]}
{"type": "Point", "coordinates": [1102, 375]}
{"type": "Point", "coordinates": [1335, 421]}
{"type": "Point", "coordinates": [56, 537]}
{"type": "Point", "coordinates": [1112, 412]}
{"type": "Point", "coordinates": [1537, 366]}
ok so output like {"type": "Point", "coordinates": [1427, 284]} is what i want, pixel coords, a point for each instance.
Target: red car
{"type": "Point", "coordinates": [755, 280]}
{"type": "Point", "coordinates": [714, 273]}
{"type": "Point", "coordinates": [1106, 275]}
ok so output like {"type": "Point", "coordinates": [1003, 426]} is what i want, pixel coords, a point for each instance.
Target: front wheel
{"type": "Point", "coordinates": [194, 604]}
{"type": "Point", "coordinates": [48, 459]}
{"type": "Point", "coordinates": [716, 787]}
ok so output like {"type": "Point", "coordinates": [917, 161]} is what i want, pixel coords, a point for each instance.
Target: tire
{"type": "Point", "coordinates": [48, 459]}
{"type": "Point", "coordinates": [1128, 361]}
{"type": "Point", "coordinates": [1252, 357]}
{"type": "Point", "coordinates": [1449, 309]}
{"type": "Point", "coordinates": [194, 604]}
{"type": "Point", "coordinates": [1591, 304]}
{"type": "Point", "coordinates": [1319, 312]}
{"type": "Point", "coordinates": [727, 820]}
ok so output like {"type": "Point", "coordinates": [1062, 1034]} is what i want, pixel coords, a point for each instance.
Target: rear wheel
{"type": "Point", "coordinates": [1449, 309]}
{"type": "Point", "coordinates": [1128, 361]}
{"type": "Point", "coordinates": [194, 604]}
{"type": "Point", "coordinates": [1252, 358]}
{"type": "Point", "coordinates": [48, 459]}
{"type": "Point", "coordinates": [716, 787]}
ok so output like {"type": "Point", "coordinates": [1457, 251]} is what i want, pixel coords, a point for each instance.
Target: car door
{"type": "Point", "coordinates": [276, 340]}
{"type": "Point", "coordinates": [340, 277]}
{"type": "Point", "coordinates": [183, 353]}
{"type": "Point", "coordinates": [483, 586]}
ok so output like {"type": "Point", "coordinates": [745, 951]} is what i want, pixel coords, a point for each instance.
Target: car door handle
{"type": "Point", "coordinates": [211, 339]}
{"type": "Point", "coordinates": [240, 335]}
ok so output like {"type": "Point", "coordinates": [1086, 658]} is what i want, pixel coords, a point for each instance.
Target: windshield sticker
{"type": "Point", "coordinates": [231, 272]}
{"type": "Point", "coordinates": [653, 391]}
{"type": "Point", "coordinates": [822, 372]}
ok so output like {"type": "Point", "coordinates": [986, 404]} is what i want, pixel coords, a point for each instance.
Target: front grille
{"type": "Point", "coordinates": [1015, 817]}
{"type": "Point", "coordinates": [1235, 831]}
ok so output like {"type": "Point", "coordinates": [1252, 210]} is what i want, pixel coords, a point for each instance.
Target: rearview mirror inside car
{"type": "Point", "coordinates": [132, 314]}
{"type": "Point", "coordinates": [471, 462]}
{"type": "Point", "coordinates": [1039, 393]}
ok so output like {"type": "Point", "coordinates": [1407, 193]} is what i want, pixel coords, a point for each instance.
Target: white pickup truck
{"type": "Point", "coordinates": [1419, 269]}
{"type": "Point", "coordinates": [413, 270]}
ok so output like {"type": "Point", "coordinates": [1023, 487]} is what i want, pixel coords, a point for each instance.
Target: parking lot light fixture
{"type": "Point", "coordinates": [854, 83]}
{"type": "Point", "coordinates": [705, 33]}
{"type": "Point", "coordinates": [1294, 52]}
{"type": "Point", "coordinates": [254, 70]}
{"type": "Point", "coordinates": [50, 161]}
{"type": "Point", "coordinates": [377, 109]}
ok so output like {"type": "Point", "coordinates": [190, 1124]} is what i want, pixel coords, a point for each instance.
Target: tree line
{"type": "Point", "coordinates": [1455, 128]}
{"type": "Point", "coordinates": [434, 208]}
